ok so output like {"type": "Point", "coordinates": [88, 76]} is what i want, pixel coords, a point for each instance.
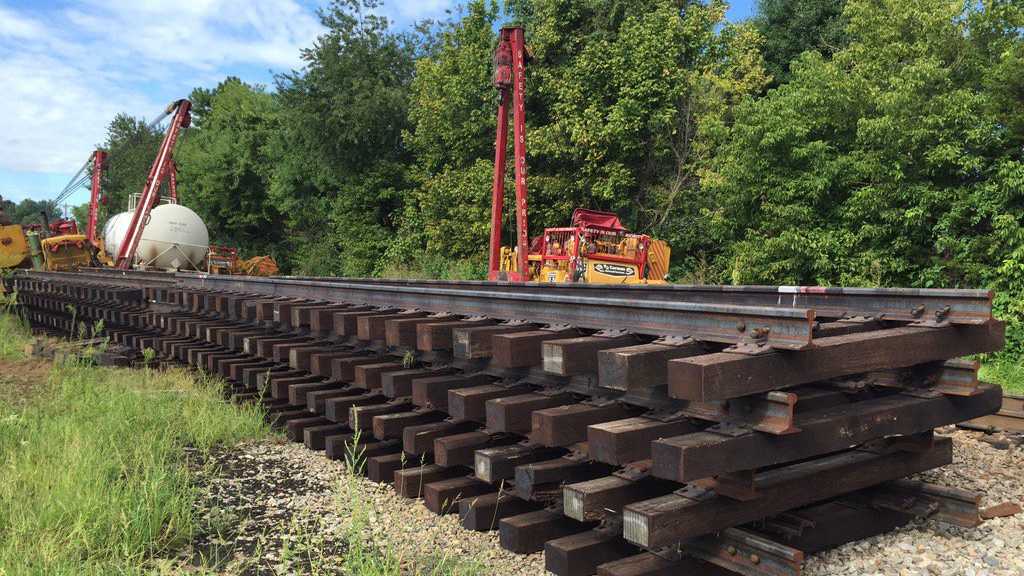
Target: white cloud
{"type": "Point", "coordinates": [69, 71]}
{"type": "Point", "coordinates": [12, 25]}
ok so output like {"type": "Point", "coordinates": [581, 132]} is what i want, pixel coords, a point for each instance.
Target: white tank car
{"type": "Point", "coordinates": [175, 238]}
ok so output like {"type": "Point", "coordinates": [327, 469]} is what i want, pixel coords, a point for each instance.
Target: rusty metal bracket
{"type": "Point", "coordinates": [634, 471]}
{"type": "Point", "coordinates": [730, 430]}
{"type": "Point", "coordinates": [752, 344]}
{"type": "Point", "coordinates": [747, 553]}
{"type": "Point", "coordinates": [600, 401]}
{"type": "Point", "coordinates": [949, 505]}
{"type": "Point", "coordinates": [695, 493]}
{"type": "Point", "coordinates": [674, 341]}
{"type": "Point", "coordinates": [611, 333]}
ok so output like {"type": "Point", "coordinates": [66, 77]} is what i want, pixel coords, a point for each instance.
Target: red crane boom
{"type": "Point", "coordinates": [99, 157]}
{"type": "Point", "coordinates": [510, 76]}
{"type": "Point", "coordinates": [163, 167]}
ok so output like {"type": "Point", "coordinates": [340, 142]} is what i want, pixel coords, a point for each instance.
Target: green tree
{"type": "Point", "coordinates": [792, 27]}
{"type": "Point", "coordinates": [225, 167]}
{"type": "Point", "coordinates": [453, 114]}
{"type": "Point", "coordinates": [896, 162]}
{"type": "Point", "coordinates": [623, 101]}
{"type": "Point", "coordinates": [29, 211]}
{"type": "Point", "coordinates": [341, 162]}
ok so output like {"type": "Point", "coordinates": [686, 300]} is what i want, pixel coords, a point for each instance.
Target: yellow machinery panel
{"type": "Point", "coordinates": [658, 260]}
{"type": "Point", "coordinates": [13, 246]}
{"type": "Point", "coordinates": [62, 253]}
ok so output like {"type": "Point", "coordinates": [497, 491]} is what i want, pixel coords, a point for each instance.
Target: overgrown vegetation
{"type": "Point", "coordinates": [854, 142]}
{"type": "Point", "coordinates": [94, 479]}
{"type": "Point", "coordinates": [1007, 373]}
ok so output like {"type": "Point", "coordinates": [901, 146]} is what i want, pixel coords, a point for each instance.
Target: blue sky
{"type": "Point", "coordinates": [69, 66]}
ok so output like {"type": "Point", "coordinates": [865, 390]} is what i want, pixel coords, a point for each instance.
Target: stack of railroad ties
{"type": "Point", "coordinates": [639, 430]}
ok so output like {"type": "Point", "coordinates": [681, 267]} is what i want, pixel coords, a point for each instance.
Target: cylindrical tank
{"type": "Point", "coordinates": [174, 239]}
{"type": "Point", "coordinates": [35, 250]}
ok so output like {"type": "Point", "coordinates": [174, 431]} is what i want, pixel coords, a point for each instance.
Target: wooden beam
{"type": "Point", "coordinates": [499, 463]}
{"type": "Point", "coordinates": [336, 409]}
{"type": "Point", "coordinates": [361, 416]}
{"type": "Point", "coordinates": [346, 324]}
{"type": "Point", "coordinates": [523, 349]}
{"type": "Point", "coordinates": [315, 400]}
{"type": "Point", "coordinates": [471, 403]}
{"type": "Point", "coordinates": [388, 426]}
{"type": "Point", "coordinates": [432, 392]}
{"type": "Point", "coordinates": [409, 482]}
{"type": "Point", "coordinates": [475, 342]}
{"type": "Point", "coordinates": [399, 383]}
{"type": "Point", "coordinates": [315, 437]}
{"type": "Point", "coordinates": [372, 328]}
{"type": "Point", "coordinates": [729, 375]}
{"type": "Point", "coordinates": [677, 517]}
{"type": "Point", "coordinates": [621, 442]}
{"type": "Point", "coordinates": [460, 449]}
{"type": "Point", "coordinates": [527, 533]}
{"type": "Point", "coordinates": [597, 498]}
{"type": "Point", "coordinates": [641, 367]}
{"type": "Point", "coordinates": [648, 564]}
{"type": "Point", "coordinates": [368, 376]}
{"type": "Point", "coordinates": [581, 554]}
{"type": "Point", "coordinates": [704, 454]}
{"type": "Point", "coordinates": [419, 440]}
{"type": "Point", "coordinates": [482, 513]}
{"type": "Point", "coordinates": [443, 497]}
{"type": "Point", "coordinates": [566, 425]}
{"type": "Point", "coordinates": [437, 336]}
{"type": "Point", "coordinates": [401, 333]}
{"type": "Point", "coordinates": [576, 356]}
{"type": "Point", "coordinates": [513, 414]}
{"type": "Point", "coordinates": [344, 369]}
{"type": "Point", "coordinates": [543, 480]}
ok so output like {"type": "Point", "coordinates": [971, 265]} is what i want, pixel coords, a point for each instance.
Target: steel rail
{"type": "Point", "coordinates": [780, 328]}
{"type": "Point", "coordinates": [937, 305]}
{"type": "Point", "coordinates": [130, 279]}
{"type": "Point", "coordinates": [956, 306]}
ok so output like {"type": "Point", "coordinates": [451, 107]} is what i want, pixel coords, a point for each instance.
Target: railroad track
{"type": "Point", "coordinates": [1009, 418]}
{"type": "Point", "coordinates": [623, 430]}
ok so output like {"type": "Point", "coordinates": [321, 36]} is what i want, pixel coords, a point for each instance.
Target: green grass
{"type": "Point", "coordinates": [93, 476]}
{"type": "Point", "coordinates": [14, 334]}
{"type": "Point", "coordinates": [1008, 374]}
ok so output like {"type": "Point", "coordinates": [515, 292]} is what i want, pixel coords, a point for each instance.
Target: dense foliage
{"type": "Point", "coordinates": [857, 142]}
{"type": "Point", "coordinates": [29, 211]}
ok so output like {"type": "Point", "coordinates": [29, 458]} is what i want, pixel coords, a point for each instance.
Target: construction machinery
{"type": "Point", "coordinates": [225, 260]}
{"type": "Point", "coordinates": [14, 250]}
{"type": "Point", "coordinates": [65, 247]}
{"type": "Point", "coordinates": [595, 248]}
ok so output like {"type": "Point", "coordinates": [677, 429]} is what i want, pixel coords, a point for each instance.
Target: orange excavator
{"type": "Point", "coordinates": [595, 247]}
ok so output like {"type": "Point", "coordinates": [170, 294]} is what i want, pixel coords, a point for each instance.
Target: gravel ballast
{"type": "Point", "coordinates": [277, 508]}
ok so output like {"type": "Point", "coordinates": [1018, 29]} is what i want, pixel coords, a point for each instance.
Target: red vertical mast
{"type": "Point", "coordinates": [510, 75]}
{"type": "Point", "coordinates": [161, 169]}
{"type": "Point", "coordinates": [99, 157]}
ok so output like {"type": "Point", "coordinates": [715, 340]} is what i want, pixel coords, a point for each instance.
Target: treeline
{"type": "Point", "coordinates": [29, 211]}
{"type": "Point", "coordinates": [856, 142]}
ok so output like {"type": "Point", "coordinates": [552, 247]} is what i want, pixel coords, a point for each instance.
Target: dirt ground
{"type": "Point", "coordinates": [21, 379]}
